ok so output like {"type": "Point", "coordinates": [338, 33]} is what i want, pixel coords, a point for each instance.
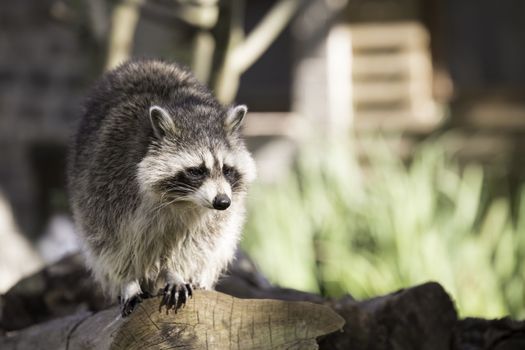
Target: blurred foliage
{"type": "Point", "coordinates": [334, 226]}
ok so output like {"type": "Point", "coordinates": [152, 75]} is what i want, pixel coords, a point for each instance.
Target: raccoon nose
{"type": "Point", "coordinates": [221, 202]}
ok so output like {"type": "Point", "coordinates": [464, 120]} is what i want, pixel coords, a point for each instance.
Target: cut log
{"type": "Point", "coordinates": [210, 320]}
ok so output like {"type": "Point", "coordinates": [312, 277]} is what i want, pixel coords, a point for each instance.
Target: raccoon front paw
{"type": "Point", "coordinates": [175, 295]}
{"type": "Point", "coordinates": [130, 296]}
{"type": "Point", "coordinates": [130, 304]}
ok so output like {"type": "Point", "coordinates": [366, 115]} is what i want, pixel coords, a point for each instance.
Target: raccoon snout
{"type": "Point", "coordinates": [221, 202]}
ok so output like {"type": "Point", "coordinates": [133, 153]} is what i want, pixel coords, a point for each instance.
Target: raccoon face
{"type": "Point", "coordinates": [207, 168]}
{"type": "Point", "coordinates": [209, 184]}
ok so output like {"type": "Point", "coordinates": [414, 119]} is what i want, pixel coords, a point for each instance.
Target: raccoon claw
{"type": "Point", "coordinates": [175, 296]}
{"type": "Point", "coordinates": [130, 304]}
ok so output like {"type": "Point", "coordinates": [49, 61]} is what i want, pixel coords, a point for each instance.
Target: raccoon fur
{"type": "Point", "coordinates": [157, 177]}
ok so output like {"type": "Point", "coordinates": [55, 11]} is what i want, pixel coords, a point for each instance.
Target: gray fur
{"type": "Point", "coordinates": [143, 226]}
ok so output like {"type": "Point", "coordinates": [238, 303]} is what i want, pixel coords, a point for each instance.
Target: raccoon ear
{"type": "Point", "coordinates": [160, 121]}
{"type": "Point", "coordinates": [234, 118]}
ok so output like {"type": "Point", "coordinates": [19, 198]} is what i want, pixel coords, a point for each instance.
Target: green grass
{"type": "Point", "coordinates": [334, 227]}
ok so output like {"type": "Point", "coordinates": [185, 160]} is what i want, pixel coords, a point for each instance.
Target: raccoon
{"type": "Point", "coordinates": [157, 176]}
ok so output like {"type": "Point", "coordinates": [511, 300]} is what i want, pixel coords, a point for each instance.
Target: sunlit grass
{"type": "Point", "coordinates": [335, 227]}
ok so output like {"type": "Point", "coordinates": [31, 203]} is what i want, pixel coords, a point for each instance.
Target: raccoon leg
{"type": "Point", "coordinates": [131, 296]}
{"type": "Point", "coordinates": [175, 293]}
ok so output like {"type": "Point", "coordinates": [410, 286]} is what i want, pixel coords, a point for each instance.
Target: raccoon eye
{"type": "Point", "coordinates": [229, 172]}
{"type": "Point", "coordinates": [233, 176]}
{"type": "Point", "coordinates": [197, 171]}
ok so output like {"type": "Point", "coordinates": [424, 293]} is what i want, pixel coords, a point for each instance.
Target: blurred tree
{"type": "Point", "coordinates": [242, 50]}
{"type": "Point", "coordinates": [222, 51]}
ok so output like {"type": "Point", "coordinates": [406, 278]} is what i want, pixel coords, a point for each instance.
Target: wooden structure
{"type": "Point", "coordinates": [380, 76]}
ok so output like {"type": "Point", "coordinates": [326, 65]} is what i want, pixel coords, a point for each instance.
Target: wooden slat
{"type": "Point", "coordinates": [406, 91]}
{"type": "Point", "coordinates": [494, 115]}
{"type": "Point", "coordinates": [273, 124]}
{"type": "Point", "coordinates": [370, 92]}
{"type": "Point", "coordinates": [396, 120]}
{"type": "Point", "coordinates": [392, 35]}
{"type": "Point", "coordinates": [410, 64]}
